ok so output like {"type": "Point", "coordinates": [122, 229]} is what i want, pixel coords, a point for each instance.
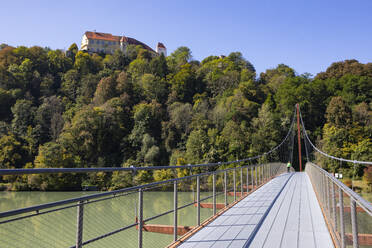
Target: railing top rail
{"type": "Point", "coordinates": [367, 206]}
{"type": "Point", "coordinates": [112, 169]}
{"type": "Point", "coordinates": [99, 195]}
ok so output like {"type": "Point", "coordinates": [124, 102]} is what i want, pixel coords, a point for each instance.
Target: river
{"type": "Point", "coordinates": [57, 229]}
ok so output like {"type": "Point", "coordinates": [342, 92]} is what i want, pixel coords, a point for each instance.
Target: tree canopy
{"type": "Point", "coordinates": [76, 109]}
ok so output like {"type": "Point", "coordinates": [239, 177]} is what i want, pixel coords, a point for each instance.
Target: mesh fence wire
{"type": "Point", "coordinates": [111, 220]}
{"type": "Point", "coordinates": [110, 215]}
{"type": "Point", "coordinates": [53, 229]}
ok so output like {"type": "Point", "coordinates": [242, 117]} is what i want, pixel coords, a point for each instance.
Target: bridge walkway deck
{"type": "Point", "coordinates": [282, 213]}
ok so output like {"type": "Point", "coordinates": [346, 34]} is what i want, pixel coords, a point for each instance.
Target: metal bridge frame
{"type": "Point", "coordinates": [263, 173]}
{"type": "Point", "coordinates": [328, 189]}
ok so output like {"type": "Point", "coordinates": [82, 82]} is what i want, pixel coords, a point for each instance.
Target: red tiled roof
{"type": "Point", "coordinates": [102, 36]}
{"type": "Point", "coordinates": [132, 41]}
{"type": "Point", "coordinates": [161, 45]}
{"type": "Point", "coordinates": [110, 37]}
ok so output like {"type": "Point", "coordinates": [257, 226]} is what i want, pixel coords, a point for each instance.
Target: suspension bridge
{"type": "Point", "coordinates": [252, 202]}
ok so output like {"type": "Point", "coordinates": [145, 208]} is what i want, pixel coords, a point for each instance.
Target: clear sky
{"type": "Point", "coordinates": [307, 35]}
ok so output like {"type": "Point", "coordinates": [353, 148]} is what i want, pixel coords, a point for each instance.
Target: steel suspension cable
{"type": "Point", "coordinates": [325, 154]}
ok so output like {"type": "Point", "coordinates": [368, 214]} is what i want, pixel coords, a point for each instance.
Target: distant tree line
{"type": "Point", "coordinates": [74, 109]}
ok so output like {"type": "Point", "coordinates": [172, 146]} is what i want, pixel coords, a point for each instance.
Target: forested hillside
{"type": "Point", "coordinates": [76, 109]}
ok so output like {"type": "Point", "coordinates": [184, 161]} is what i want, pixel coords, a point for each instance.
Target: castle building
{"type": "Point", "coordinates": [94, 42]}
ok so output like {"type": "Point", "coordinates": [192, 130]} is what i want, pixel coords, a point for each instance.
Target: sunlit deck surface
{"type": "Point", "coordinates": [282, 213]}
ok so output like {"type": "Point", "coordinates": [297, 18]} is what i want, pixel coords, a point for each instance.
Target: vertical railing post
{"type": "Point", "coordinates": [259, 174]}
{"type": "Point", "coordinates": [342, 224]}
{"type": "Point", "coordinates": [252, 177]}
{"type": "Point", "coordinates": [198, 199]}
{"type": "Point", "coordinates": [334, 209]}
{"type": "Point", "coordinates": [270, 171]}
{"type": "Point", "coordinates": [354, 224]}
{"type": "Point", "coordinates": [247, 180]}
{"type": "Point", "coordinates": [241, 182]}
{"type": "Point", "coordinates": [79, 227]}
{"type": "Point", "coordinates": [140, 217]}
{"type": "Point", "coordinates": [234, 181]}
{"type": "Point", "coordinates": [328, 198]}
{"type": "Point", "coordinates": [255, 169]}
{"type": "Point", "coordinates": [214, 194]}
{"type": "Point", "coordinates": [175, 207]}
{"type": "Point", "coordinates": [225, 183]}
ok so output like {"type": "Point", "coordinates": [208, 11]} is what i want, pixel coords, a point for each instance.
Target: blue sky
{"type": "Point", "coordinates": [306, 35]}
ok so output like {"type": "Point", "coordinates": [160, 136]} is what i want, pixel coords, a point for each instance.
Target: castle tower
{"type": "Point", "coordinates": [123, 43]}
{"type": "Point", "coordinates": [161, 49]}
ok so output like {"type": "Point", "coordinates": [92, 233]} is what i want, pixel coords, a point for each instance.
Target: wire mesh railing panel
{"type": "Point", "coordinates": [156, 200]}
{"type": "Point", "coordinates": [220, 192]}
{"type": "Point", "coordinates": [364, 226]}
{"type": "Point", "coordinates": [109, 215]}
{"type": "Point", "coordinates": [206, 197]}
{"type": "Point", "coordinates": [156, 240]}
{"type": "Point", "coordinates": [349, 216]}
{"type": "Point", "coordinates": [186, 191]}
{"type": "Point", "coordinates": [127, 238]}
{"type": "Point", "coordinates": [53, 229]}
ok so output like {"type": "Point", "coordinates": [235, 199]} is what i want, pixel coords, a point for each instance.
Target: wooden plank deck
{"type": "Point", "coordinates": [282, 213]}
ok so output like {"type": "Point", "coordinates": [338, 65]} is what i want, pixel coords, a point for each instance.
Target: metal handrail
{"type": "Point", "coordinates": [367, 206]}
{"type": "Point", "coordinates": [266, 171]}
{"type": "Point", "coordinates": [94, 196]}
{"type": "Point", "coordinates": [327, 187]}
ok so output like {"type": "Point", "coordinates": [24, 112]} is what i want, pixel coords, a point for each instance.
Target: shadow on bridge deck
{"type": "Point", "coordinates": [282, 213]}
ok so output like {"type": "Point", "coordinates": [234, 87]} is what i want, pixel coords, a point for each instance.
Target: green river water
{"type": "Point", "coordinates": [58, 229]}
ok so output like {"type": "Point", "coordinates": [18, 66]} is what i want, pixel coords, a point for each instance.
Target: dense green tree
{"type": "Point", "coordinates": [72, 51]}
{"type": "Point", "coordinates": [339, 69]}
{"type": "Point", "coordinates": [23, 116]}
{"type": "Point", "coordinates": [106, 89]}
{"type": "Point", "coordinates": [158, 66]}
{"type": "Point", "coordinates": [71, 84]}
{"type": "Point", "coordinates": [49, 119]}
{"type": "Point", "coordinates": [338, 112]}
{"type": "Point", "coordinates": [137, 68]}
{"type": "Point", "coordinates": [178, 58]}
{"type": "Point", "coordinates": [6, 101]}
{"type": "Point", "coordinates": [154, 88]}
{"type": "Point", "coordinates": [79, 109]}
{"type": "Point", "coordinates": [12, 152]}
{"type": "Point", "coordinates": [53, 155]}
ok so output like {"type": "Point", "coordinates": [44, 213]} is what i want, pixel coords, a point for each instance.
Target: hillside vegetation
{"type": "Point", "coordinates": [76, 109]}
